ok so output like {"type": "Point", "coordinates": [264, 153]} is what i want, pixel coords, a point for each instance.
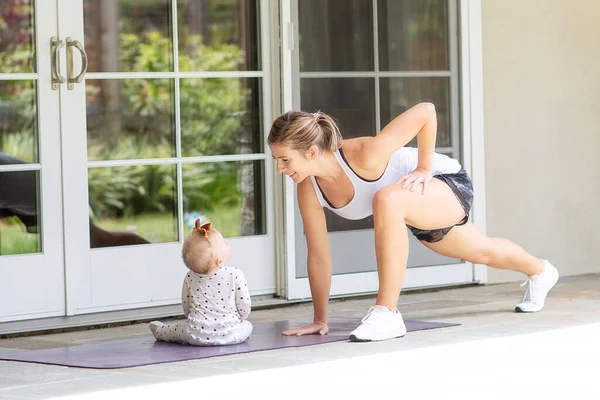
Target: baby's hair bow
{"type": "Point", "coordinates": [203, 229]}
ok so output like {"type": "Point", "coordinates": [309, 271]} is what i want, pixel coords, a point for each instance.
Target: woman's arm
{"type": "Point", "coordinates": [420, 121]}
{"type": "Point", "coordinates": [319, 258]}
{"type": "Point", "coordinates": [317, 242]}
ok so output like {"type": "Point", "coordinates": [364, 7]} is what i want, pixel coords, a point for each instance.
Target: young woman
{"type": "Point", "coordinates": [401, 187]}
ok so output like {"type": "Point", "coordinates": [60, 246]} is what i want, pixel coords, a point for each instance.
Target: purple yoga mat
{"type": "Point", "coordinates": [144, 350]}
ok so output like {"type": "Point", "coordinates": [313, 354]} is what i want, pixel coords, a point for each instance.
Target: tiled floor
{"type": "Point", "coordinates": [483, 311]}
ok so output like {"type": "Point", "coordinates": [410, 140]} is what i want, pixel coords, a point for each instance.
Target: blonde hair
{"type": "Point", "coordinates": [300, 130]}
{"type": "Point", "coordinates": [198, 249]}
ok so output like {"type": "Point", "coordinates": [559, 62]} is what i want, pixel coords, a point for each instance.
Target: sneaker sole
{"type": "Point", "coordinates": [353, 338]}
{"type": "Point", "coordinates": [520, 310]}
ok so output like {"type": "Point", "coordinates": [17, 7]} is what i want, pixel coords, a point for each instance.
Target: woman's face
{"type": "Point", "coordinates": [291, 162]}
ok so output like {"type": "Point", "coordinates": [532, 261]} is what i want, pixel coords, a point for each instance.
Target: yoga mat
{"type": "Point", "coordinates": [144, 350]}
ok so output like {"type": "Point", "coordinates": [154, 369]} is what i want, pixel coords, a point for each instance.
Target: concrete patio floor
{"type": "Point", "coordinates": [489, 335]}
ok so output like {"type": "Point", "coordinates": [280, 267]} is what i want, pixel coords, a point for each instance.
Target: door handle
{"type": "Point", "coordinates": [72, 79]}
{"type": "Point", "coordinates": [55, 46]}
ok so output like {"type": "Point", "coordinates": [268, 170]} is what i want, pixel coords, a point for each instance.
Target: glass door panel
{"type": "Point", "coordinates": [364, 62]}
{"type": "Point", "coordinates": [218, 35]}
{"type": "Point", "coordinates": [126, 36]}
{"type": "Point", "coordinates": [20, 231]}
{"type": "Point", "coordinates": [335, 35]}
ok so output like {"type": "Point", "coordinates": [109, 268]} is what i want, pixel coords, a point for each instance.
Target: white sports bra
{"type": "Point", "coordinates": [401, 163]}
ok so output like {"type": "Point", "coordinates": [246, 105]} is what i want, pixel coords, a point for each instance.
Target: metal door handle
{"type": "Point", "coordinates": [55, 46]}
{"type": "Point", "coordinates": [84, 62]}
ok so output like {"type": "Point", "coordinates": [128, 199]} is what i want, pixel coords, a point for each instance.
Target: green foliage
{"type": "Point", "coordinates": [17, 36]}
{"type": "Point", "coordinates": [145, 51]}
{"type": "Point", "coordinates": [212, 114]}
{"type": "Point", "coordinates": [15, 240]}
{"type": "Point", "coordinates": [211, 111]}
{"type": "Point", "coordinates": [206, 186]}
{"type": "Point", "coordinates": [18, 119]}
{"type": "Point", "coordinates": [155, 227]}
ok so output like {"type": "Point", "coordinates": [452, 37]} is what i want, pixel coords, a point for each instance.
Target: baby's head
{"type": "Point", "coordinates": [205, 249]}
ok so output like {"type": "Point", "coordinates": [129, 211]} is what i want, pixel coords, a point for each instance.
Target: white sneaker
{"type": "Point", "coordinates": [537, 289]}
{"type": "Point", "coordinates": [379, 324]}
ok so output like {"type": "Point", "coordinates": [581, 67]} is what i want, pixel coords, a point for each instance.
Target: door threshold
{"type": "Point", "coordinates": [112, 319]}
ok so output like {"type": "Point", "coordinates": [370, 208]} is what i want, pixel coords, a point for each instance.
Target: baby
{"type": "Point", "coordinates": [215, 298]}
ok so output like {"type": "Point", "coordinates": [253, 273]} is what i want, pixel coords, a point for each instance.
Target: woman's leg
{"type": "Point", "coordinates": [393, 208]}
{"type": "Point", "coordinates": [468, 243]}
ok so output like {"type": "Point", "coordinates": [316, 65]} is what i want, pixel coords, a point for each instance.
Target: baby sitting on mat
{"type": "Point", "coordinates": [215, 298]}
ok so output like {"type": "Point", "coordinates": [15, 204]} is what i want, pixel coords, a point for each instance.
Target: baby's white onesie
{"type": "Point", "coordinates": [216, 306]}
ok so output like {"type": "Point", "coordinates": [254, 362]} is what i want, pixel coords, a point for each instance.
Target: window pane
{"type": "Point", "coordinates": [399, 94]}
{"type": "Point", "coordinates": [218, 35]}
{"type": "Point", "coordinates": [128, 36]}
{"type": "Point", "coordinates": [17, 36]}
{"type": "Point", "coordinates": [132, 205]}
{"type": "Point", "coordinates": [413, 35]}
{"type": "Point", "coordinates": [336, 35]}
{"type": "Point", "coordinates": [228, 194]}
{"type": "Point", "coordinates": [221, 116]}
{"type": "Point", "coordinates": [18, 120]}
{"type": "Point", "coordinates": [19, 210]}
{"type": "Point", "coordinates": [130, 118]}
{"type": "Point", "coordinates": [351, 101]}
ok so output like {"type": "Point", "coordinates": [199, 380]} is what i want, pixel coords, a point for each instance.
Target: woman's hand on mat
{"type": "Point", "coordinates": [415, 178]}
{"type": "Point", "coordinates": [318, 327]}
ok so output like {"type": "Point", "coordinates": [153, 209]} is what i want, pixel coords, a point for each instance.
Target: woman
{"type": "Point", "coordinates": [378, 176]}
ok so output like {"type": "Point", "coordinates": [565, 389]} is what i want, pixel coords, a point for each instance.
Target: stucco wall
{"type": "Point", "coordinates": [541, 72]}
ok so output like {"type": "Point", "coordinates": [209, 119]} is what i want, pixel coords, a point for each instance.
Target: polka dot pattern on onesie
{"type": "Point", "coordinates": [215, 317]}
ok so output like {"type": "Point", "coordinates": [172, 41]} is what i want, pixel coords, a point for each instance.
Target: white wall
{"type": "Point", "coordinates": [541, 71]}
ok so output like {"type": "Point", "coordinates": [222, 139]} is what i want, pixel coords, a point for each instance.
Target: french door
{"type": "Point", "coordinates": [139, 118]}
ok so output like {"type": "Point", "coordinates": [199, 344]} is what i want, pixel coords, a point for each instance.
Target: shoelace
{"type": "Point", "coordinates": [371, 314]}
{"type": "Point", "coordinates": [529, 291]}
{"type": "Point", "coordinates": [366, 317]}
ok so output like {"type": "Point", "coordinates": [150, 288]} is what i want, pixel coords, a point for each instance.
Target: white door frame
{"type": "Point", "coordinates": [74, 163]}
{"type": "Point", "coordinates": [470, 70]}
{"type": "Point", "coordinates": [32, 285]}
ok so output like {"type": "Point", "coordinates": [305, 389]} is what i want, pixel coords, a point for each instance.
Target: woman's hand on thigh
{"type": "Point", "coordinates": [415, 178]}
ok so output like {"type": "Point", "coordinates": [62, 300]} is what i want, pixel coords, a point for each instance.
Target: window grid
{"type": "Point", "coordinates": [376, 74]}
{"type": "Point", "coordinates": [176, 75]}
